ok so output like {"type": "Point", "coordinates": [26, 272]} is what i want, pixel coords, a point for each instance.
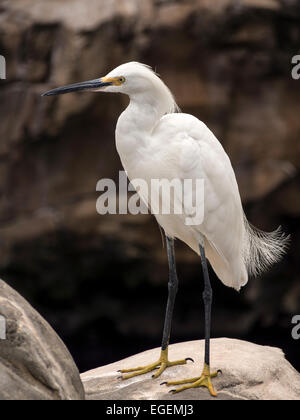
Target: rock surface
{"type": "Point", "coordinates": [250, 372]}
{"type": "Point", "coordinates": [34, 362]}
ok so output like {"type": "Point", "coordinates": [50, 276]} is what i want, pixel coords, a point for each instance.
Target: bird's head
{"type": "Point", "coordinates": [129, 78]}
{"type": "Point", "coordinates": [133, 79]}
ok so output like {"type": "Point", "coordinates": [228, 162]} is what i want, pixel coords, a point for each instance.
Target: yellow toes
{"type": "Point", "coordinates": [203, 380]}
{"type": "Point", "coordinates": [162, 364]}
{"type": "Point", "coordinates": [206, 382]}
{"type": "Point", "coordinates": [139, 371]}
{"type": "Point", "coordinates": [160, 370]}
{"type": "Point", "coordinates": [165, 365]}
{"type": "Point", "coordinates": [181, 382]}
{"type": "Point", "coordinates": [132, 369]}
{"type": "Point", "coordinates": [179, 362]}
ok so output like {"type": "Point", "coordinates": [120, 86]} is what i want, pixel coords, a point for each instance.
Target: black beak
{"type": "Point", "coordinates": [90, 84]}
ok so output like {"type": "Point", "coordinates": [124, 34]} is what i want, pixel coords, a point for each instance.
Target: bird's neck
{"type": "Point", "coordinates": [134, 128]}
{"type": "Point", "coordinates": [141, 115]}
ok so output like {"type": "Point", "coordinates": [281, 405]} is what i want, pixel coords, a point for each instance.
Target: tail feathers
{"type": "Point", "coordinates": [262, 249]}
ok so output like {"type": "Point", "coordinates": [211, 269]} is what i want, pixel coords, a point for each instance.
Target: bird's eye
{"type": "Point", "coordinates": [121, 80]}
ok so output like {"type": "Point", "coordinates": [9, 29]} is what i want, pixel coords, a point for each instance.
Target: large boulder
{"type": "Point", "coordinates": [34, 362]}
{"type": "Point", "coordinates": [249, 372]}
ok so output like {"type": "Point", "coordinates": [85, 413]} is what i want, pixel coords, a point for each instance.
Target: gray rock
{"type": "Point", "coordinates": [34, 362]}
{"type": "Point", "coordinates": [250, 372]}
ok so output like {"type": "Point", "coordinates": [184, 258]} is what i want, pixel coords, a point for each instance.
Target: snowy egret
{"type": "Point", "coordinates": [155, 140]}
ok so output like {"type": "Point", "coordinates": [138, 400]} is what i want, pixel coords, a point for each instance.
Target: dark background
{"type": "Point", "coordinates": [101, 281]}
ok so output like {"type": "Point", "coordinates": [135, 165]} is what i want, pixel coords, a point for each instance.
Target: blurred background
{"type": "Point", "coordinates": [101, 281]}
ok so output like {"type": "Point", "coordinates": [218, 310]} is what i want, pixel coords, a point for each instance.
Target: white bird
{"type": "Point", "coordinates": [156, 141]}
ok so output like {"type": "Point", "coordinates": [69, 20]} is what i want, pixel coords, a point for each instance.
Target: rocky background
{"type": "Point", "coordinates": [100, 281]}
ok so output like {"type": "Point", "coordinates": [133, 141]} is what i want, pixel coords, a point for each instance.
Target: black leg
{"type": "Point", "coordinates": [172, 287]}
{"type": "Point", "coordinates": [163, 361]}
{"type": "Point", "coordinates": [206, 376]}
{"type": "Point", "coordinates": [207, 298]}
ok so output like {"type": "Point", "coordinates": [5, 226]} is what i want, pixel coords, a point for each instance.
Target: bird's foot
{"type": "Point", "coordinates": [160, 365]}
{"type": "Point", "coordinates": [203, 380]}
